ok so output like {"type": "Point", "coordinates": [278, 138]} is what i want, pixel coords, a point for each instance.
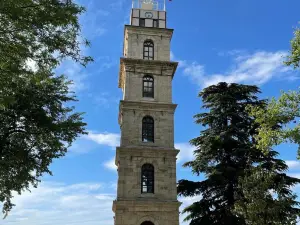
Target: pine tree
{"type": "Point", "coordinates": [235, 191]}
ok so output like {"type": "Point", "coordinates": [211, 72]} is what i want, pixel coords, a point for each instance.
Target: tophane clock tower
{"type": "Point", "coordinates": [146, 158]}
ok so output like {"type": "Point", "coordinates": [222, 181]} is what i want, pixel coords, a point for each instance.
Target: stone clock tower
{"type": "Point", "coordinates": [146, 158]}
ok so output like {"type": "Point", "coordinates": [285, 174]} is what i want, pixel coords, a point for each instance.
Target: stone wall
{"type": "Point", "coordinates": [132, 114]}
{"type": "Point", "coordinates": [134, 87]}
{"type": "Point", "coordinates": [130, 162]}
{"type": "Point", "coordinates": [137, 212]}
{"type": "Point", "coordinates": [135, 38]}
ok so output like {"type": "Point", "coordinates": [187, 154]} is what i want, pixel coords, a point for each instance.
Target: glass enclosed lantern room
{"type": "Point", "coordinates": [148, 13]}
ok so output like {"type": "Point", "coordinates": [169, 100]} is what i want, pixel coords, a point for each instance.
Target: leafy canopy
{"type": "Point", "coordinates": [294, 57]}
{"type": "Point", "coordinates": [283, 112]}
{"type": "Point", "coordinates": [37, 121]}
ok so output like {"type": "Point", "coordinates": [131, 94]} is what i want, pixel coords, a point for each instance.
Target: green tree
{"type": "Point", "coordinates": [234, 191]}
{"type": "Point", "coordinates": [294, 58]}
{"type": "Point", "coordinates": [37, 121]}
{"type": "Point", "coordinates": [283, 112]}
{"type": "Point", "coordinates": [267, 198]}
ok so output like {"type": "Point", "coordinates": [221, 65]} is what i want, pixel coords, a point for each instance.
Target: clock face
{"type": "Point", "coordinates": [148, 15]}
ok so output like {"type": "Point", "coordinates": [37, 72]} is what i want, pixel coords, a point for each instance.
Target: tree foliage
{"type": "Point", "coordinates": [242, 186]}
{"type": "Point", "coordinates": [267, 198]}
{"type": "Point", "coordinates": [283, 112]}
{"type": "Point", "coordinates": [294, 57]}
{"type": "Point", "coordinates": [37, 123]}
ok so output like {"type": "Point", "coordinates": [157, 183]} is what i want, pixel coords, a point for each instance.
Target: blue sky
{"type": "Point", "coordinates": [214, 40]}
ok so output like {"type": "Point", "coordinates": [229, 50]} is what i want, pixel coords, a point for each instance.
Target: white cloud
{"type": "Point", "coordinates": [105, 100]}
{"type": "Point", "coordinates": [232, 52]}
{"type": "Point", "coordinates": [186, 201]}
{"type": "Point", "coordinates": [92, 27]}
{"type": "Point", "coordinates": [111, 165]}
{"type": "Point", "coordinates": [293, 164]}
{"type": "Point", "coordinates": [109, 139]}
{"type": "Point", "coordinates": [104, 63]}
{"type": "Point", "coordinates": [57, 203]}
{"type": "Point", "coordinates": [77, 147]}
{"type": "Point", "coordinates": [295, 188]}
{"type": "Point", "coordinates": [182, 63]}
{"type": "Point", "coordinates": [257, 68]}
{"type": "Point", "coordinates": [195, 71]}
{"type": "Point", "coordinates": [91, 142]}
{"type": "Point", "coordinates": [296, 175]}
{"type": "Point", "coordinates": [186, 152]}
{"type": "Point", "coordinates": [92, 20]}
{"type": "Point", "coordinates": [75, 72]}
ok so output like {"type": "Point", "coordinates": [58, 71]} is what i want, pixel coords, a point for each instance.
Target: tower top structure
{"type": "Point", "coordinates": [157, 5]}
{"type": "Point", "coordinates": [149, 13]}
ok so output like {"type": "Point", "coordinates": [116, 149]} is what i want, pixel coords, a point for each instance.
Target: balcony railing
{"type": "Point", "coordinates": [159, 5]}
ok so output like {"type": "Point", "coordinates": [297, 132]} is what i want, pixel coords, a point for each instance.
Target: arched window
{"type": "Point", "coordinates": [148, 86]}
{"type": "Point", "coordinates": [147, 178]}
{"type": "Point", "coordinates": [148, 129]}
{"type": "Point", "coordinates": [147, 223]}
{"type": "Point", "coordinates": [149, 50]}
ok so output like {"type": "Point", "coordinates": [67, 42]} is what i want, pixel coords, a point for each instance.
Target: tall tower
{"type": "Point", "coordinates": [146, 158]}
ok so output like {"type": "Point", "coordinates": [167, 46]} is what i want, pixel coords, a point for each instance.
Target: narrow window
{"type": "Point", "coordinates": [149, 50]}
{"type": "Point", "coordinates": [147, 178]}
{"type": "Point", "coordinates": [142, 22]}
{"type": "Point", "coordinates": [148, 86]}
{"type": "Point", "coordinates": [155, 23]}
{"type": "Point", "coordinates": [148, 129]}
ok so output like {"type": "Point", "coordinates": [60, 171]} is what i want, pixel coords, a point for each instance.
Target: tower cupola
{"type": "Point", "coordinates": [148, 13]}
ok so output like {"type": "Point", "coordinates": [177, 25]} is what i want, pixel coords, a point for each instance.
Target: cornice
{"type": "Point", "coordinates": [143, 151]}
{"type": "Point", "coordinates": [149, 31]}
{"type": "Point", "coordinates": [160, 205]}
{"type": "Point", "coordinates": [146, 62]}
{"type": "Point", "coordinates": [135, 105]}
{"type": "Point", "coordinates": [148, 149]}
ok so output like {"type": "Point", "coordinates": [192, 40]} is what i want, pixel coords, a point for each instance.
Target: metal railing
{"type": "Point", "coordinates": [159, 5]}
